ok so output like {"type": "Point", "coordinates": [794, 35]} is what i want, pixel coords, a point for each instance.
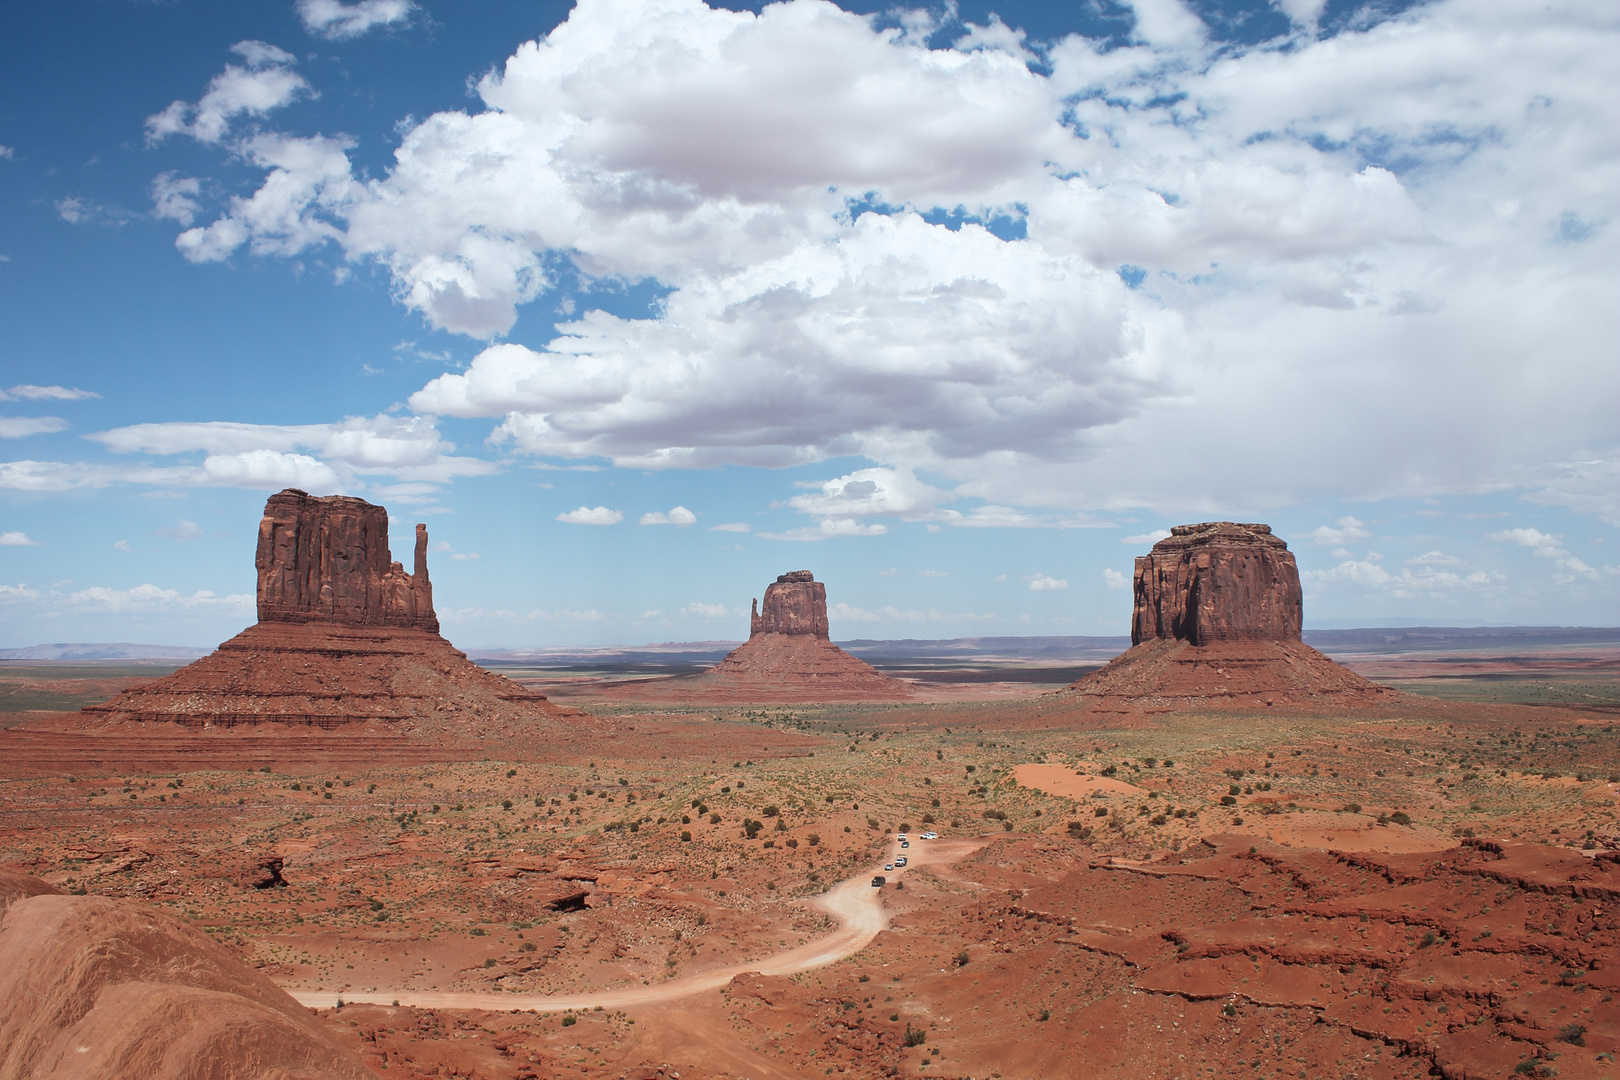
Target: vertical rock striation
{"type": "Point", "coordinates": [1219, 581]}
{"type": "Point", "coordinates": [327, 560]}
{"type": "Point", "coordinates": [795, 603]}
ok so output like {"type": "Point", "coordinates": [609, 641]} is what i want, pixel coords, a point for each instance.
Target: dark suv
{"type": "Point", "coordinates": [879, 881]}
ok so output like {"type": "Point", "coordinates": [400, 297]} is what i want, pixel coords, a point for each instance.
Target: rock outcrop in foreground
{"type": "Point", "coordinates": [93, 988]}
{"type": "Point", "coordinates": [788, 656]}
{"type": "Point", "coordinates": [1217, 621]}
{"type": "Point", "coordinates": [345, 637]}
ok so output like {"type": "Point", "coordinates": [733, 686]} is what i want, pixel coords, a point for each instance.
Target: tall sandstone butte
{"type": "Point", "coordinates": [1219, 581]}
{"type": "Point", "coordinates": [345, 637]}
{"type": "Point", "coordinates": [795, 603]}
{"type": "Point", "coordinates": [789, 657]}
{"type": "Point", "coordinates": [1217, 622]}
{"type": "Point", "coordinates": [327, 560]}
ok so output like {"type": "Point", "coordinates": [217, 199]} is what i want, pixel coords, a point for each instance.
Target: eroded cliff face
{"type": "Point", "coordinates": [795, 603]}
{"type": "Point", "coordinates": [1218, 581]}
{"type": "Point", "coordinates": [327, 560]}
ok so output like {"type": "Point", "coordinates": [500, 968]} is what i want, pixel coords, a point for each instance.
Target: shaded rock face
{"type": "Point", "coordinates": [1219, 581]}
{"type": "Point", "coordinates": [327, 560]}
{"type": "Point", "coordinates": [795, 603]}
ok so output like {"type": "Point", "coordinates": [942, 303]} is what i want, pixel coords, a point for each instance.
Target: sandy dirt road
{"type": "Point", "coordinates": [854, 903]}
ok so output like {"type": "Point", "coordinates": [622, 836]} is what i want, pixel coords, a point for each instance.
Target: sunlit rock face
{"type": "Point", "coordinates": [1218, 581]}
{"type": "Point", "coordinates": [795, 603]}
{"type": "Point", "coordinates": [327, 560]}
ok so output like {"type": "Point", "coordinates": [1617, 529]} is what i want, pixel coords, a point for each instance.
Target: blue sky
{"type": "Point", "coordinates": [639, 303]}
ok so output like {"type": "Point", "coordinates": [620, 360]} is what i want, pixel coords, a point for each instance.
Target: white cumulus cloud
{"type": "Point", "coordinates": [17, 539]}
{"type": "Point", "coordinates": [1346, 528]}
{"type": "Point", "coordinates": [678, 515]}
{"type": "Point", "coordinates": [1113, 579]}
{"type": "Point", "coordinates": [18, 427]}
{"type": "Point", "coordinates": [591, 515]}
{"type": "Point", "coordinates": [264, 83]}
{"type": "Point", "coordinates": [1041, 582]}
{"type": "Point", "coordinates": [337, 21]}
{"type": "Point", "coordinates": [1408, 219]}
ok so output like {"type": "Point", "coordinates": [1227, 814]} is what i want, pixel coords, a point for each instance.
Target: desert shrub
{"type": "Point", "coordinates": [814, 839]}
{"type": "Point", "coordinates": [905, 826]}
{"type": "Point", "coordinates": [770, 843]}
{"type": "Point", "coordinates": [1352, 808]}
{"type": "Point", "coordinates": [996, 815]}
{"type": "Point", "coordinates": [714, 819]}
{"type": "Point", "coordinates": [771, 810]}
{"type": "Point", "coordinates": [1228, 800]}
{"type": "Point", "coordinates": [1229, 1009]}
{"type": "Point", "coordinates": [1046, 1014]}
{"type": "Point", "coordinates": [1574, 1034]}
{"type": "Point", "coordinates": [1233, 790]}
{"type": "Point", "coordinates": [570, 1021]}
{"type": "Point", "coordinates": [1111, 771]}
{"type": "Point", "coordinates": [1159, 819]}
{"type": "Point", "coordinates": [510, 773]}
{"type": "Point", "coordinates": [752, 827]}
{"type": "Point", "coordinates": [962, 958]}
{"type": "Point", "coordinates": [686, 836]}
{"type": "Point", "coordinates": [790, 842]}
{"type": "Point", "coordinates": [1101, 811]}
{"type": "Point", "coordinates": [781, 826]}
{"type": "Point", "coordinates": [1079, 831]}
{"type": "Point", "coordinates": [489, 962]}
{"type": "Point", "coordinates": [506, 804]}
{"type": "Point", "coordinates": [915, 1036]}
{"type": "Point", "coordinates": [1429, 938]}
{"type": "Point", "coordinates": [1400, 817]}
{"type": "Point", "coordinates": [871, 823]}
{"type": "Point", "coordinates": [928, 819]}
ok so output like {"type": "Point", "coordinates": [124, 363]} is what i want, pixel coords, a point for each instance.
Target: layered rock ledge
{"type": "Point", "coordinates": [345, 637]}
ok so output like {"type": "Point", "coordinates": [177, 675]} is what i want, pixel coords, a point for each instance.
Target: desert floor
{"type": "Point", "coordinates": [1411, 893]}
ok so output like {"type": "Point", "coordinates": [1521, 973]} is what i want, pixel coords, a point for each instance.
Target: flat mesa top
{"type": "Point", "coordinates": [1185, 536]}
{"type": "Point", "coordinates": [795, 575]}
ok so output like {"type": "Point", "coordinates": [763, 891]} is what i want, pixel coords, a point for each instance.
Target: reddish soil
{"type": "Point", "coordinates": [557, 872]}
{"type": "Point", "coordinates": [1161, 675]}
{"type": "Point", "coordinates": [96, 988]}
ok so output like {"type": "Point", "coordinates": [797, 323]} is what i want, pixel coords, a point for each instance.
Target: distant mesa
{"type": "Point", "coordinates": [1217, 618]}
{"type": "Point", "coordinates": [345, 638]}
{"type": "Point", "coordinates": [788, 656]}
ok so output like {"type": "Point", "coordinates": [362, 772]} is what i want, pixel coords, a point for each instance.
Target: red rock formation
{"type": "Point", "coordinates": [787, 658]}
{"type": "Point", "coordinates": [1219, 581]}
{"type": "Point", "coordinates": [327, 560]}
{"type": "Point", "coordinates": [93, 988]}
{"type": "Point", "coordinates": [795, 603]}
{"type": "Point", "coordinates": [345, 637]}
{"type": "Point", "coordinates": [1217, 622]}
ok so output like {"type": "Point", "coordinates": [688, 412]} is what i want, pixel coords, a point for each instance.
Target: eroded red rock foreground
{"type": "Point", "coordinates": [335, 848]}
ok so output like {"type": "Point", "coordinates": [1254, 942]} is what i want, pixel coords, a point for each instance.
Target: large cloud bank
{"type": "Point", "coordinates": [1055, 275]}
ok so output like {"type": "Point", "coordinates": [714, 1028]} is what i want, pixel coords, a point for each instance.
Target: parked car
{"type": "Point", "coordinates": [901, 838]}
{"type": "Point", "coordinates": [879, 881]}
{"type": "Point", "coordinates": [901, 861]}
{"type": "Point", "coordinates": [905, 843]}
{"type": "Point", "coordinates": [930, 836]}
{"type": "Point", "coordinates": [888, 866]}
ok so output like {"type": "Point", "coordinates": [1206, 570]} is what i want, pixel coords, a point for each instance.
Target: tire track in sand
{"type": "Point", "coordinates": [853, 902]}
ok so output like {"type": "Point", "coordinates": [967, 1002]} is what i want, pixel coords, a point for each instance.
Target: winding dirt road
{"type": "Point", "coordinates": [854, 903]}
